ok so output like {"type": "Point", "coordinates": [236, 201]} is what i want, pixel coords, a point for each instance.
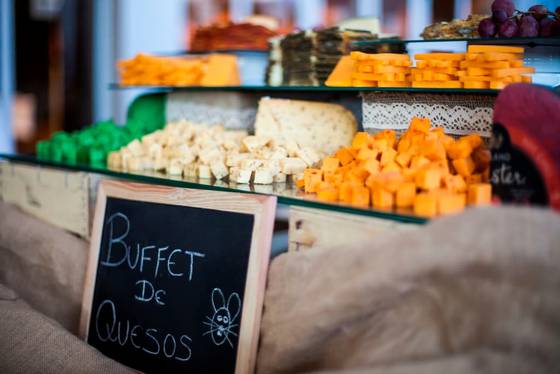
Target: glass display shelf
{"type": "Point", "coordinates": [256, 88]}
{"type": "Point", "coordinates": [527, 41]}
{"type": "Point", "coordinates": [286, 193]}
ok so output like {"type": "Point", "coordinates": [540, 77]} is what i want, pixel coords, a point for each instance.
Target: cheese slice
{"type": "Point", "coordinates": [440, 56]}
{"type": "Point", "coordinates": [499, 73]}
{"type": "Point", "coordinates": [475, 85]}
{"type": "Point", "coordinates": [449, 84]}
{"type": "Point", "coordinates": [494, 48]}
{"type": "Point", "coordinates": [340, 76]}
{"type": "Point", "coordinates": [324, 127]}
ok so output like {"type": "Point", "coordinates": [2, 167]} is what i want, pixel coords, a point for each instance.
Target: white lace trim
{"type": "Point", "coordinates": [459, 114]}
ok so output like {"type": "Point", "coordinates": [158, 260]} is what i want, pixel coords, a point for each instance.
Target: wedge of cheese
{"type": "Point", "coordinates": [341, 75]}
{"type": "Point", "coordinates": [323, 127]}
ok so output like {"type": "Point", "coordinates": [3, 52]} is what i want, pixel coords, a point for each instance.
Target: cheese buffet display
{"type": "Point", "coordinates": [290, 135]}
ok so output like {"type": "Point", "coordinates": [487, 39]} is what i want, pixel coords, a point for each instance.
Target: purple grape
{"type": "Point", "coordinates": [556, 27]}
{"type": "Point", "coordinates": [546, 26]}
{"type": "Point", "coordinates": [538, 11]}
{"type": "Point", "coordinates": [505, 5]}
{"type": "Point", "coordinates": [508, 29]}
{"type": "Point", "coordinates": [528, 27]}
{"type": "Point", "coordinates": [487, 28]}
{"type": "Point", "coordinates": [499, 16]}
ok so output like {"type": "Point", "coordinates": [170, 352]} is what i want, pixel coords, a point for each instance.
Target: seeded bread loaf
{"type": "Point", "coordinates": [323, 127]}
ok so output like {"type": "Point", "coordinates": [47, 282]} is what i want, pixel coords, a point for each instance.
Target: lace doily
{"type": "Point", "coordinates": [459, 114]}
{"type": "Point", "coordinates": [231, 109]}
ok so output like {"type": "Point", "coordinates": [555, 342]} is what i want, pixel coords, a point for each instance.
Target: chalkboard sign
{"type": "Point", "coordinates": [176, 277]}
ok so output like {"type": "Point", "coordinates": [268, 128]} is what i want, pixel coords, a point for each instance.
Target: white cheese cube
{"type": "Point", "coordinates": [250, 163]}
{"type": "Point", "coordinates": [292, 148]}
{"type": "Point", "coordinates": [114, 160]}
{"type": "Point", "coordinates": [280, 178]}
{"type": "Point", "coordinates": [135, 148]}
{"type": "Point", "coordinates": [219, 170]}
{"type": "Point", "coordinates": [204, 172]}
{"type": "Point", "coordinates": [190, 171]}
{"type": "Point", "coordinates": [174, 167]}
{"type": "Point", "coordinates": [292, 165]}
{"type": "Point", "coordinates": [309, 156]}
{"type": "Point", "coordinates": [263, 176]}
{"type": "Point", "coordinates": [253, 143]}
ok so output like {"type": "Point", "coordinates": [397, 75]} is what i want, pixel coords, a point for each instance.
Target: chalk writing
{"type": "Point", "coordinates": [224, 316]}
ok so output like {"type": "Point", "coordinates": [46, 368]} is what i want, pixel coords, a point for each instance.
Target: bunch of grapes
{"type": "Point", "coordinates": [507, 22]}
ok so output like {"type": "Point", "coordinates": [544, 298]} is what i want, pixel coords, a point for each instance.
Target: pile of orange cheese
{"type": "Point", "coordinates": [425, 170]}
{"type": "Point", "coordinates": [211, 70]}
{"type": "Point", "coordinates": [482, 67]}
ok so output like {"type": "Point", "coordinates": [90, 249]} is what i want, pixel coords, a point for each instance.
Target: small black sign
{"type": "Point", "coordinates": [169, 286]}
{"type": "Point", "coordinates": [514, 178]}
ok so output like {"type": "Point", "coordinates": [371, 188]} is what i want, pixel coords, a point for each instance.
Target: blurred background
{"type": "Point", "coordinates": [57, 57]}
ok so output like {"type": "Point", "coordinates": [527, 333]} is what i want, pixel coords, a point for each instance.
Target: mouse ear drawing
{"type": "Point", "coordinates": [218, 300]}
{"type": "Point", "coordinates": [234, 305]}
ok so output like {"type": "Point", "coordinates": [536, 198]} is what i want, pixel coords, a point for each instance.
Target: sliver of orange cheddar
{"type": "Point", "coordinates": [480, 194]}
{"type": "Point", "coordinates": [440, 56]}
{"type": "Point", "coordinates": [434, 84]}
{"type": "Point", "coordinates": [221, 70]}
{"type": "Point", "coordinates": [494, 48]}
{"type": "Point", "coordinates": [476, 85]}
{"type": "Point", "coordinates": [500, 73]}
{"type": "Point", "coordinates": [341, 74]}
{"type": "Point", "coordinates": [464, 166]}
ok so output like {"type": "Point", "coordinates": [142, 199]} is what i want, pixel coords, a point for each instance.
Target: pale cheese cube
{"type": "Point", "coordinates": [135, 163]}
{"type": "Point", "coordinates": [243, 175]}
{"type": "Point", "coordinates": [309, 156]}
{"type": "Point", "coordinates": [263, 176]}
{"type": "Point", "coordinates": [250, 163]}
{"type": "Point", "coordinates": [236, 158]}
{"type": "Point", "coordinates": [114, 160]}
{"type": "Point", "coordinates": [280, 178]}
{"type": "Point", "coordinates": [174, 167]}
{"type": "Point", "coordinates": [209, 156]}
{"type": "Point", "coordinates": [279, 153]}
{"type": "Point", "coordinates": [219, 170]}
{"type": "Point", "coordinates": [253, 143]}
{"type": "Point", "coordinates": [190, 171]}
{"type": "Point", "coordinates": [292, 148]}
{"type": "Point", "coordinates": [135, 148]}
{"type": "Point", "coordinates": [155, 151]}
{"type": "Point", "coordinates": [160, 163]}
{"type": "Point", "coordinates": [204, 172]}
{"type": "Point", "coordinates": [292, 165]}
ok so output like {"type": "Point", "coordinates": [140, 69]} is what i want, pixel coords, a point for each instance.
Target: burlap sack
{"type": "Point", "coordinates": [32, 343]}
{"type": "Point", "coordinates": [43, 264]}
{"type": "Point", "coordinates": [478, 292]}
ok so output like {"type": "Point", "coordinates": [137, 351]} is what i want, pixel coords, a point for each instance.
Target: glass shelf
{"type": "Point", "coordinates": [116, 86]}
{"type": "Point", "coordinates": [535, 41]}
{"type": "Point", "coordinates": [285, 192]}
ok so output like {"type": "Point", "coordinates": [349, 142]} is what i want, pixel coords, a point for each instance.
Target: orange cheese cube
{"type": "Point", "coordinates": [311, 178]}
{"type": "Point", "coordinates": [300, 183]}
{"type": "Point", "coordinates": [480, 194]}
{"type": "Point", "coordinates": [500, 73]}
{"type": "Point", "coordinates": [360, 196]}
{"type": "Point", "coordinates": [428, 179]}
{"type": "Point", "coordinates": [497, 85]}
{"type": "Point", "coordinates": [327, 194]}
{"type": "Point", "coordinates": [440, 56]}
{"type": "Point", "coordinates": [362, 83]}
{"type": "Point", "coordinates": [381, 144]}
{"type": "Point", "coordinates": [371, 165]}
{"type": "Point", "coordinates": [455, 183]}
{"type": "Point", "coordinates": [366, 154]}
{"type": "Point", "coordinates": [333, 178]}
{"type": "Point", "coordinates": [449, 203]}
{"type": "Point", "coordinates": [477, 71]}
{"type": "Point", "coordinates": [425, 204]}
{"type": "Point", "coordinates": [403, 159]}
{"type": "Point", "coordinates": [459, 149]}
{"type": "Point", "coordinates": [406, 193]}
{"type": "Point", "coordinates": [404, 145]}
{"type": "Point", "coordinates": [389, 181]}
{"type": "Point", "coordinates": [381, 198]}
{"type": "Point", "coordinates": [391, 167]}
{"type": "Point", "coordinates": [418, 162]}
{"type": "Point", "coordinates": [344, 156]}
{"type": "Point", "coordinates": [474, 179]}
{"type": "Point", "coordinates": [330, 164]}
{"type": "Point", "coordinates": [514, 64]}
{"type": "Point", "coordinates": [221, 70]}
{"type": "Point", "coordinates": [435, 84]}
{"type": "Point", "coordinates": [464, 166]}
{"type": "Point", "coordinates": [433, 150]}
{"type": "Point", "coordinates": [345, 192]}
{"type": "Point", "coordinates": [474, 140]}
{"type": "Point", "coordinates": [388, 156]}
{"type": "Point", "coordinates": [361, 139]}
{"type": "Point", "coordinates": [420, 124]}
{"type": "Point", "coordinates": [392, 84]}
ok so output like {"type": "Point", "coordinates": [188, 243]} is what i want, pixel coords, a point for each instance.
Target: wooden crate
{"type": "Point", "coordinates": [314, 228]}
{"type": "Point", "coordinates": [62, 198]}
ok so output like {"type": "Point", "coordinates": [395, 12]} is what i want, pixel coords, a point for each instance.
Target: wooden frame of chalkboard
{"type": "Point", "coordinates": [145, 202]}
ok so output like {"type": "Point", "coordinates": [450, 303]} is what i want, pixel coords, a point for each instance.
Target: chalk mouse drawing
{"type": "Point", "coordinates": [222, 323]}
